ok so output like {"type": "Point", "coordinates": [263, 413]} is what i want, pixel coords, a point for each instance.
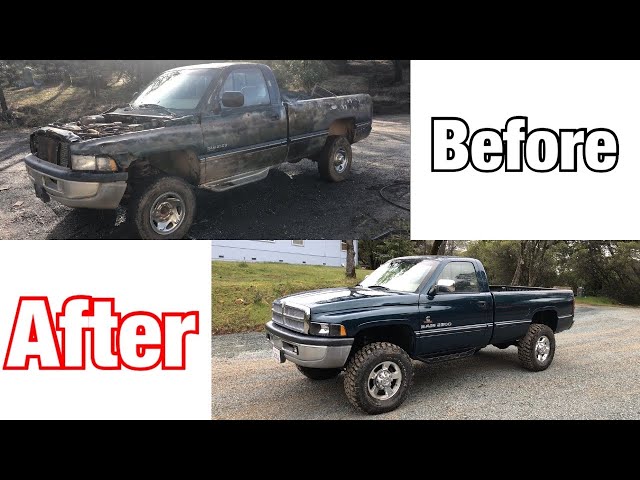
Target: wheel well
{"type": "Point", "coordinates": [343, 127]}
{"type": "Point", "coordinates": [400, 335]}
{"type": "Point", "coordinates": [180, 163]}
{"type": "Point", "coordinates": [546, 317]}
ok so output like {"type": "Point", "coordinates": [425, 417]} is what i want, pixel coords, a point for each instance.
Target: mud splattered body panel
{"type": "Point", "coordinates": [311, 121]}
{"type": "Point", "coordinates": [214, 143]}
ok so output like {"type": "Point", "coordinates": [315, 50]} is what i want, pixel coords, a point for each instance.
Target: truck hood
{"type": "Point", "coordinates": [125, 135]}
{"type": "Point", "coordinates": [343, 299]}
{"type": "Point", "coordinates": [115, 122]}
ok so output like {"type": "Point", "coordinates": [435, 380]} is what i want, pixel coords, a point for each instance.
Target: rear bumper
{"type": "Point", "coordinates": [309, 351]}
{"type": "Point", "coordinates": [564, 323]}
{"type": "Point", "coordinates": [74, 188]}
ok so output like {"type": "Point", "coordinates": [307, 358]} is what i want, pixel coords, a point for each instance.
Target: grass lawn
{"type": "Point", "coordinates": [603, 301]}
{"type": "Point", "coordinates": [241, 293]}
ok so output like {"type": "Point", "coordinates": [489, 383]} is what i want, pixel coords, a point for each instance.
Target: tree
{"type": "Point", "coordinates": [3, 102]}
{"type": "Point", "coordinates": [296, 74]}
{"type": "Point", "coordinates": [531, 261]}
{"type": "Point", "coordinates": [351, 260]}
{"type": "Point", "coordinates": [435, 247]}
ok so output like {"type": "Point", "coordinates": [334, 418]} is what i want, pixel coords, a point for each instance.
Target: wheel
{"type": "Point", "coordinates": [334, 162]}
{"type": "Point", "coordinates": [378, 377]}
{"type": "Point", "coordinates": [162, 208]}
{"type": "Point", "coordinates": [537, 347]}
{"type": "Point", "coordinates": [319, 373]}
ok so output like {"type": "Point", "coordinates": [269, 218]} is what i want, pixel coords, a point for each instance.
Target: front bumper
{"type": "Point", "coordinates": [75, 188]}
{"type": "Point", "coordinates": [312, 351]}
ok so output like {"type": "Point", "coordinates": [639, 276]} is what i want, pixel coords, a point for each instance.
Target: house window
{"type": "Point", "coordinates": [297, 243]}
{"type": "Point", "coordinates": [343, 245]}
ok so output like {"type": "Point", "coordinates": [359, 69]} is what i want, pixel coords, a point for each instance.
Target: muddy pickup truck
{"type": "Point", "coordinates": [427, 308]}
{"type": "Point", "coordinates": [217, 125]}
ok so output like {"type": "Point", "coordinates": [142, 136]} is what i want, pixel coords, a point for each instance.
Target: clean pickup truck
{"type": "Point", "coordinates": [219, 125]}
{"type": "Point", "coordinates": [429, 308]}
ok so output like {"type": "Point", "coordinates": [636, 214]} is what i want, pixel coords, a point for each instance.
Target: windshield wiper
{"type": "Point", "coordinates": [382, 287]}
{"type": "Point", "coordinates": [155, 106]}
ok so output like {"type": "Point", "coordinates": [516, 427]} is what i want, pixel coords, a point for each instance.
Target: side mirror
{"type": "Point", "coordinates": [444, 285]}
{"type": "Point", "coordinates": [233, 99]}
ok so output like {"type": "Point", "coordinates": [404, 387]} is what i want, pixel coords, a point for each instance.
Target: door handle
{"type": "Point", "coordinates": [482, 304]}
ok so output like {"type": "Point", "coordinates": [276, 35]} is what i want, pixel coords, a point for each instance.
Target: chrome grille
{"type": "Point", "coordinates": [288, 316]}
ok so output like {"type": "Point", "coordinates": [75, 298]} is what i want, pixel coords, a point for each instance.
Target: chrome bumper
{"type": "Point", "coordinates": [74, 188]}
{"type": "Point", "coordinates": [309, 351]}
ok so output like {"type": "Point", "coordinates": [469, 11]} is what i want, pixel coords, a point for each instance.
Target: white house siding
{"type": "Point", "coordinates": [313, 252]}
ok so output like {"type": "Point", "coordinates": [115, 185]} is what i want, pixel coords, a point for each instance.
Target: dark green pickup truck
{"type": "Point", "coordinates": [429, 309]}
{"type": "Point", "coordinates": [219, 125]}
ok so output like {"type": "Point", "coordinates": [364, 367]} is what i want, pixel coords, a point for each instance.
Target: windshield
{"type": "Point", "coordinates": [403, 274]}
{"type": "Point", "coordinates": [177, 89]}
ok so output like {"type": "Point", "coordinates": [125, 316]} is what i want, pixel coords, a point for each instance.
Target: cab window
{"type": "Point", "coordinates": [249, 81]}
{"type": "Point", "coordinates": [463, 274]}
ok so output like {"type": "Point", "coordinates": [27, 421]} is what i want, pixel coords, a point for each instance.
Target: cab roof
{"type": "Point", "coordinates": [213, 65]}
{"type": "Point", "coordinates": [438, 258]}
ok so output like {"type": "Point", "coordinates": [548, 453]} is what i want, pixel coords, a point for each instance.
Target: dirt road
{"type": "Point", "coordinates": [595, 375]}
{"type": "Point", "coordinates": [293, 202]}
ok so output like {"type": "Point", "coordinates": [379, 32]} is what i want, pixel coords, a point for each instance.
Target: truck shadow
{"type": "Point", "coordinates": [485, 362]}
{"type": "Point", "coordinates": [258, 210]}
{"type": "Point", "coordinates": [443, 379]}
{"type": "Point", "coordinates": [280, 206]}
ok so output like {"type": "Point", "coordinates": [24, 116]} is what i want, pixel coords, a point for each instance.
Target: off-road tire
{"type": "Point", "coordinates": [143, 198]}
{"type": "Point", "coordinates": [527, 347]}
{"type": "Point", "coordinates": [319, 373]}
{"type": "Point", "coordinates": [362, 364]}
{"type": "Point", "coordinates": [327, 159]}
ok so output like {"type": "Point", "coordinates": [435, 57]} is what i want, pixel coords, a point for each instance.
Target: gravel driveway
{"type": "Point", "coordinates": [292, 202]}
{"type": "Point", "coordinates": [595, 375]}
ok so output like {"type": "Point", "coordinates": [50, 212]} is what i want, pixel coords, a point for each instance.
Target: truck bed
{"type": "Point", "coordinates": [310, 119]}
{"type": "Point", "coordinates": [515, 307]}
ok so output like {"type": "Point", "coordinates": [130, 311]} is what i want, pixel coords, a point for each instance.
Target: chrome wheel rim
{"type": "Point", "coordinates": [384, 380]}
{"type": "Point", "coordinates": [340, 160]}
{"type": "Point", "coordinates": [543, 347]}
{"type": "Point", "coordinates": [167, 213]}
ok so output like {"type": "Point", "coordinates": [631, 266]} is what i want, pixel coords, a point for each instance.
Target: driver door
{"type": "Point", "coordinates": [248, 138]}
{"type": "Point", "coordinates": [458, 317]}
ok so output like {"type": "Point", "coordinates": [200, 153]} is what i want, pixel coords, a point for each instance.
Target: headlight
{"type": "Point", "coordinates": [327, 329]}
{"type": "Point", "coordinates": [92, 162]}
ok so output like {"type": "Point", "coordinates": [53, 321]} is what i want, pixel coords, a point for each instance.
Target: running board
{"type": "Point", "coordinates": [225, 184]}
{"type": "Point", "coordinates": [451, 356]}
